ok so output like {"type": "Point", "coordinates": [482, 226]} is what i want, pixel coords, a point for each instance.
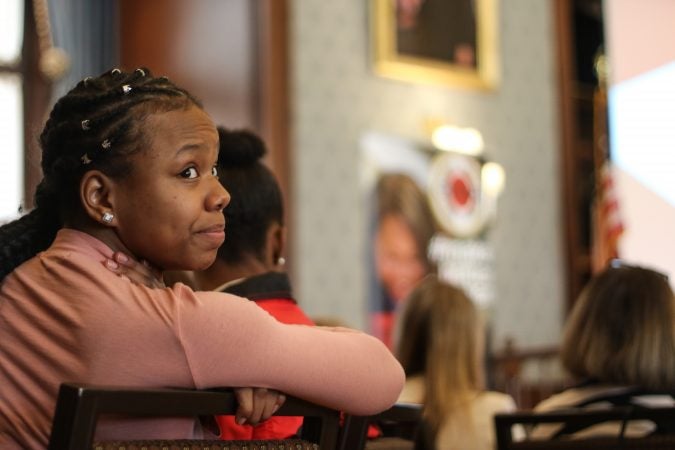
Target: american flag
{"type": "Point", "coordinates": [607, 222]}
{"type": "Point", "coordinates": [606, 215]}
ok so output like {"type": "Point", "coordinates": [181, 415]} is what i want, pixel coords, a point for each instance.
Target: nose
{"type": "Point", "coordinates": [219, 198]}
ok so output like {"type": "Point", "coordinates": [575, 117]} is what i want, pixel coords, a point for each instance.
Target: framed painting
{"type": "Point", "coordinates": [447, 42]}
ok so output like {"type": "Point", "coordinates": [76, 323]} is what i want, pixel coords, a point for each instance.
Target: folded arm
{"type": "Point", "coordinates": [230, 341]}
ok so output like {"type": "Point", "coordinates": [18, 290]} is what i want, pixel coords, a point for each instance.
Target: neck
{"type": "Point", "coordinates": [221, 272]}
{"type": "Point", "coordinates": [106, 235]}
{"type": "Point", "coordinates": [109, 237]}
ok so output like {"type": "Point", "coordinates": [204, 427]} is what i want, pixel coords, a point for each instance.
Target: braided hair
{"type": "Point", "coordinates": [256, 202]}
{"type": "Point", "coordinates": [96, 125]}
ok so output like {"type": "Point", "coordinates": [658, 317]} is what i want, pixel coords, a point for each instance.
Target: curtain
{"type": "Point", "coordinates": [88, 31]}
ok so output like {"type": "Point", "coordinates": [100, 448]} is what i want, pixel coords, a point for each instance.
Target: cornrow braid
{"type": "Point", "coordinates": [96, 125]}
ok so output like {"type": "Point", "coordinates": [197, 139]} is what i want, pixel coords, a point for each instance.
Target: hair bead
{"type": "Point", "coordinates": [85, 124]}
{"type": "Point", "coordinates": [85, 159]}
{"type": "Point", "coordinates": [106, 144]}
{"type": "Point", "coordinates": [126, 89]}
{"type": "Point", "coordinates": [115, 71]}
{"type": "Point", "coordinates": [141, 71]}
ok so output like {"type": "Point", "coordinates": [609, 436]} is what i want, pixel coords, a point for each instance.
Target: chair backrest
{"type": "Point", "coordinates": [79, 406]}
{"type": "Point", "coordinates": [579, 419]}
{"type": "Point", "coordinates": [404, 417]}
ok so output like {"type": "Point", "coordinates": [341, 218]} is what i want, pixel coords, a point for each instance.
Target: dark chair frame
{"type": "Point", "coordinates": [354, 432]}
{"type": "Point", "coordinates": [79, 406]}
{"type": "Point", "coordinates": [578, 419]}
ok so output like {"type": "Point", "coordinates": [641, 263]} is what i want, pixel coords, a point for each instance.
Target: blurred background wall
{"type": "Point", "coordinates": [336, 98]}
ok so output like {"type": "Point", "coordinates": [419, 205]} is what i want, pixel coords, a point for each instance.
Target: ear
{"type": "Point", "coordinates": [96, 195]}
{"type": "Point", "coordinates": [276, 242]}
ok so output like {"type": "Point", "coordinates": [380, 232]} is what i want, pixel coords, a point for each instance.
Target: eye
{"type": "Point", "coordinates": [214, 171]}
{"type": "Point", "coordinates": [189, 173]}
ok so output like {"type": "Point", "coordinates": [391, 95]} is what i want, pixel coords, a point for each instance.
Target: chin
{"type": "Point", "coordinates": [194, 264]}
{"type": "Point", "coordinates": [204, 264]}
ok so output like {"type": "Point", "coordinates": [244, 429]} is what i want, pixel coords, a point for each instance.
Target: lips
{"type": "Point", "coordinates": [215, 234]}
{"type": "Point", "coordinates": [214, 228]}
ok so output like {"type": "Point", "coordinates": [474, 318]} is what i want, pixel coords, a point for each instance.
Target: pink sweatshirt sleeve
{"type": "Point", "coordinates": [230, 341]}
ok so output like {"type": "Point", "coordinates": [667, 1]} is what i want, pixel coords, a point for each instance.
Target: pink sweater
{"type": "Point", "coordinates": [65, 317]}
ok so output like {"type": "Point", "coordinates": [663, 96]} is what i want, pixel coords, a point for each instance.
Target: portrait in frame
{"type": "Point", "coordinates": [447, 42]}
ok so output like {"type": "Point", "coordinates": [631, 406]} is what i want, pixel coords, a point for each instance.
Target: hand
{"type": "Point", "coordinates": [257, 404]}
{"type": "Point", "coordinates": [141, 273]}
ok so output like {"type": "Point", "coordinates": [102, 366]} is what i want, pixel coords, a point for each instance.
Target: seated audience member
{"type": "Point", "coordinates": [250, 262]}
{"type": "Point", "coordinates": [129, 164]}
{"type": "Point", "coordinates": [441, 348]}
{"type": "Point", "coordinates": [619, 342]}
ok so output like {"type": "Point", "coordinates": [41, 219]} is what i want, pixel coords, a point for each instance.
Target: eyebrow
{"type": "Point", "coordinates": [191, 147]}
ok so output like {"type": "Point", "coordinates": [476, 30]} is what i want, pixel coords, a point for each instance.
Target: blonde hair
{"type": "Point", "coordinates": [442, 339]}
{"type": "Point", "coordinates": [621, 330]}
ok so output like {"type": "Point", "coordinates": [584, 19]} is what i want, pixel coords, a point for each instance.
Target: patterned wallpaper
{"type": "Point", "coordinates": [335, 99]}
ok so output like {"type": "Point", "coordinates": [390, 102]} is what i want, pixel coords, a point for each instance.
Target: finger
{"type": "Point", "coordinates": [263, 404]}
{"type": "Point", "coordinates": [245, 404]}
{"type": "Point", "coordinates": [138, 273]}
{"type": "Point", "coordinates": [281, 399]}
{"type": "Point", "coordinates": [111, 265]}
{"type": "Point", "coordinates": [121, 258]}
{"type": "Point", "coordinates": [133, 271]}
{"type": "Point", "coordinates": [259, 397]}
{"type": "Point", "coordinates": [270, 405]}
{"type": "Point", "coordinates": [131, 264]}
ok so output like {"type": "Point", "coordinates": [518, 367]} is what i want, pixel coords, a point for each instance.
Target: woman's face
{"type": "Point", "coordinates": [169, 209]}
{"type": "Point", "coordinates": [400, 263]}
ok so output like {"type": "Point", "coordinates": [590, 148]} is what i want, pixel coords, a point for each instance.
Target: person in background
{"type": "Point", "coordinates": [404, 226]}
{"type": "Point", "coordinates": [130, 176]}
{"type": "Point", "coordinates": [619, 344]}
{"type": "Point", "coordinates": [250, 262]}
{"type": "Point", "coordinates": [440, 346]}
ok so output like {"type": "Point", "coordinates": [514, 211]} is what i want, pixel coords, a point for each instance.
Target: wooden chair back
{"type": "Point", "coordinates": [79, 406]}
{"type": "Point", "coordinates": [401, 422]}
{"type": "Point", "coordinates": [579, 419]}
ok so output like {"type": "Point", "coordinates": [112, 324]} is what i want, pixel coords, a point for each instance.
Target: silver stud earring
{"type": "Point", "coordinates": [281, 261]}
{"type": "Point", "coordinates": [107, 217]}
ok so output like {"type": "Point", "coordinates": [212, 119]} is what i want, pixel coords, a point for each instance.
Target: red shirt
{"type": "Point", "coordinates": [270, 291]}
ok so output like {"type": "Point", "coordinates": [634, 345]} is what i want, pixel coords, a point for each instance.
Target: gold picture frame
{"type": "Point", "coordinates": [418, 46]}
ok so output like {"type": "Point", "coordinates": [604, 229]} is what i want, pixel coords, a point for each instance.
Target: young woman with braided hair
{"type": "Point", "coordinates": [129, 164]}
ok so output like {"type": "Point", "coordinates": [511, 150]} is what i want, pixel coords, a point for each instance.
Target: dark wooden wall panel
{"type": "Point", "coordinates": [208, 47]}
